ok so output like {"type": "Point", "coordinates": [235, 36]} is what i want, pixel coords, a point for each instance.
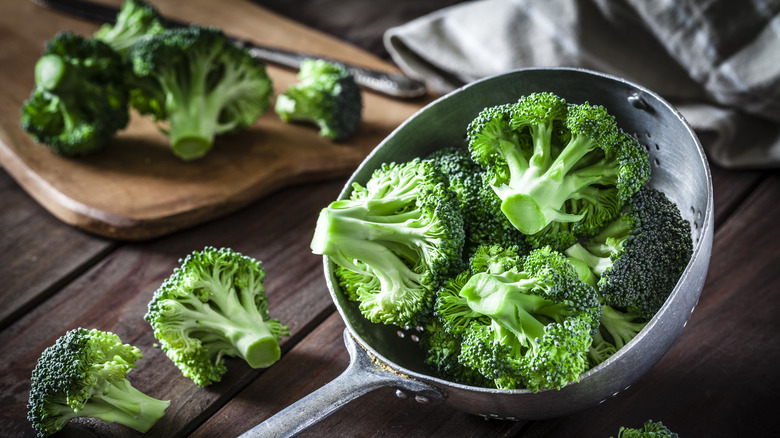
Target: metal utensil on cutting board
{"type": "Point", "coordinates": [388, 356]}
{"type": "Point", "coordinates": [390, 84]}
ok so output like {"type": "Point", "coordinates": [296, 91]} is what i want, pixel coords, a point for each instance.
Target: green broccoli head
{"type": "Point", "coordinates": [84, 374]}
{"type": "Point", "coordinates": [442, 350]}
{"type": "Point", "coordinates": [524, 321]}
{"type": "Point", "coordinates": [198, 84]}
{"type": "Point", "coordinates": [650, 429]}
{"type": "Point", "coordinates": [395, 240]}
{"type": "Point", "coordinates": [639, 257]}
{"type": "Point", "coordinates": [214, 305]}
{"type": "Point", "coordinates": [80, 99]}
{"type": "Point", "coordinates": [483, 221]}
{"type": "Point", "coordinates": [326, 95]}
{"type": "Point", "coordinates": [560, 170]}
{"type": "Point", "coordinates": [136, 19]}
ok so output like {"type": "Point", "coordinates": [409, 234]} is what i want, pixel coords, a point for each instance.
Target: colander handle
{"type": "Point", "coordinates": [362, 375]}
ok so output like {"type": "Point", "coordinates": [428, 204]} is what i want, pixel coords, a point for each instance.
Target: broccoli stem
{"type": "Point", "coordinates": [243, 328]}
{"type": "Point", "coordinates": [50, 71]}
{"type": "Point", "coordinates": [192, 130]}
{"type": "Point", "coordinates": [120, 402]}
{"type": "Point", "coordinates": [547, 184]}
{"type": "Point", "coordinates": [506, 304]}
{"type": "Point", "coordinates": [598, 265]}
{"type": "Point", "coordinates": [622, 327]}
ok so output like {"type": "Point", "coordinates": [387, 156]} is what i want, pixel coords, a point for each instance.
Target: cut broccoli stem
{"type": "Point", "coordinates": [50, 70]}
{"type": "Point", "coordinates": [243, 328]}
{"type": "Point", "coordinates": [120, 402]}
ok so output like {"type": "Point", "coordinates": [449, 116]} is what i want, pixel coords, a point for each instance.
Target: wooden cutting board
{"type": "Point", "coordinates": [136, 188]}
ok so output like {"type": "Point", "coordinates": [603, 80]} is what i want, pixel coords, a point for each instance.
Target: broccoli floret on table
{"type": "Point", "coordinates": [80, 99]}
{"type": "Point", "coordinates": [560, 170]}
{"type": "Point", "coordinates": [136, 19]}
{"type": "Point", "coordinates": [327, 96]}
{"type": "Point", "coordinates": [394, 241]}
{"type": "Point", "coordinates": [196, 83]}
{"type": "Point", "coordinates": [524, 321]}
{"type": "Point", "coordinates": [650, 429]}
{"type": "Point", "coordinates": [215, 305]}
{"type": "Point", "coordinates": [84, 374]}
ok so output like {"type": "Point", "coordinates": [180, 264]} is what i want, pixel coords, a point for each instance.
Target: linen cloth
{"type": "Point", "coordinates": [717, 61]}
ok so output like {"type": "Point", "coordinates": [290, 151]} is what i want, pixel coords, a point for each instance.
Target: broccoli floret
{"type": "Point", "coordinates": [639, 257]}
{"type": "Point", "coordinates": [80, 99]}
{"type": "Point", "coordinates": [525, 322]}
{"type": "Point", "coordinates": [442, 350]}
{"type": "Point", "coordinates": [483, 222]}
{"type": "Point", "coordinates": [327, 96]}
{"type": "Point", "coordinates": [651, 429]}
{"type": "Point", "coordinates": [215, 305]}
{"type": "Point", "coordinates": [197, 84]}
{"type": "Point", "coordinates": [560, 170]}
{"type": "Point", "coordinates": [136, 19]}
{"type": "Point", "coordinates": [395, 240]}
{"type": "Point", "coordinates": [84, 374]}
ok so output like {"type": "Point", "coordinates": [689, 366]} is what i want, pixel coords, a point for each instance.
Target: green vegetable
{"type": "Point", "coordinates": [215, 305]}
{"type": "Point", "coordinates": [442, 351]}
{"type": "Point", "coordinates": [200, 84]}
{"type": "Point", "coordinates": [638, 258]}
{"type": "Point", "coordinates": [80, 99]}
{"type": "Point", "coordinates": [651, 429]}
{"type": "Point", "coordinates": [137, 19]}
{"type": "Point", "coordinates": [529, 254]}
{"type": "Point", "coordinates": [84, 374]}
{"type": "Point", "coordinates": [524, 322]}
{"type": "Point", "coordinates": [560, 170]}
{"type": "Point", "coordinates": [326, 95]}
{"type": "Point", "coordinates": [484, 224]}
{"type": "Point", "coordinates": [394, 240]}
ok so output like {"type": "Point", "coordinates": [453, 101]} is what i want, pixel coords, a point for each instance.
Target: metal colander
{"type": "Point", "coordinates": [387, 356]}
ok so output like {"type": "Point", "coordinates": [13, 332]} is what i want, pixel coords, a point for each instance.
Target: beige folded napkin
{"type": "Point", "coordinates": [717, 61]}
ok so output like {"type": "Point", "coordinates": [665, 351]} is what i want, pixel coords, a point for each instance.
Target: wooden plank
{"type": "Point", "coordinates": [115, 293]}
{"type": "Point", "coordinates": [715, 381]}
{"type": "Point", "coordinates": [38, 253]}
{"type": "Point", "coordinates": [135, 188]}
{"type": "Point", "coordinates": [321, 357]}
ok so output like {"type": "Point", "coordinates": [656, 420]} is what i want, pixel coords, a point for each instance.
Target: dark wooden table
{"type": "Point", "coordinates": [719, 379]}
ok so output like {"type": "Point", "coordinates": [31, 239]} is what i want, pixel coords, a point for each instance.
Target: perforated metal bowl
{"type": "Point", "coordinates": [384, 356]}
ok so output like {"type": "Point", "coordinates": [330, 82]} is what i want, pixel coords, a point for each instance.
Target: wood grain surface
{"type": "Point", "coordinates": [136, 188]}
{"type": "Point", "coordinates": [718, 380]}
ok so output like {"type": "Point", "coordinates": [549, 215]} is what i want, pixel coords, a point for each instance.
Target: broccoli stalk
{"type": "Point", "coordinates": [621, 327]}
{"type": "Point", "coordinates": [80, 99]}
{"type": "Point", "coordinates": [326, 95]}
{"type": "Point", "coordinates": [136, 19]}
{"type": "Point", "coordinates": [84, 374]}
{"type": "Point", "coordinates": [394, 240]}
{"type": "Point", "coordinates": [214, 305]}
{"type": "Point", "coordinates": [556, 163]}
{"type": "Point", "coordinates": [200, 83]}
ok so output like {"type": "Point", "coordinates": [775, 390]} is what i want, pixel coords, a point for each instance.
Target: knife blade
{"type": "Point", "coordinates": [390, 84]}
